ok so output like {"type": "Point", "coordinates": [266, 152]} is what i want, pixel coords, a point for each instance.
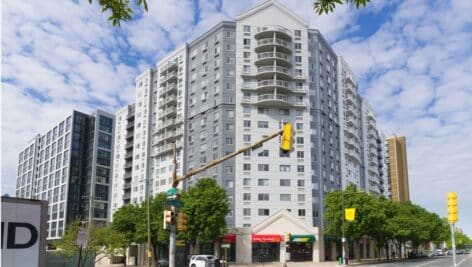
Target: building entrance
{"type": "Point", "coordinates": [265, 252]}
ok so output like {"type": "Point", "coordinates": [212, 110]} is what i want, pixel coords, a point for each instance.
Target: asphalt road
{"type": "Point", "coordinates": [444, 261]}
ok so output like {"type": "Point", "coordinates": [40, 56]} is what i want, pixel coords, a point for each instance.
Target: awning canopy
{"type": "Point", "coordinates": [302, 238]}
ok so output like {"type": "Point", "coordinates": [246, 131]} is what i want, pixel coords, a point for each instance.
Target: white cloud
{"type": "Point", "coordinates": [415, 70]}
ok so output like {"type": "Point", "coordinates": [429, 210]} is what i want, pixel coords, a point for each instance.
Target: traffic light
{"type": "Point", "coordinates": [169, 219]}
{"type": "Point", "coordinates": [452, 212]}
{"type": "Point", "coordinates": [286, 142]}
{"type": "Point", "coordinates": [182, 221]}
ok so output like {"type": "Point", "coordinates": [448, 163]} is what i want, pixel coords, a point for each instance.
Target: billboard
{"type": "Point", "coordinates": [24, 224]}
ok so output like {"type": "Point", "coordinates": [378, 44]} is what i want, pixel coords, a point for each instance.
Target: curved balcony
{"type": "Point", "coordinates": [267, 58]}
{"type": "Point", "coordinates": [268, 44]}
{"type": "Point", "coordinates": [273, 30]}
{"type": "Point", "coordinates": [273, 99]}
{"type": "Point", "coordinates": [268, 72]}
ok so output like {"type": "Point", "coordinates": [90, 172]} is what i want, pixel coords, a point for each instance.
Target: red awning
{"type": "Point", "coordinates": [229, 238]}
{"type": "Point", "coordinates": [266, 238]}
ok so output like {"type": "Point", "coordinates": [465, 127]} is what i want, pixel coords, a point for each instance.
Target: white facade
{"type": "Point", "coordinates": [168, 111]}
{"type": "Point", "coordinates": [371, 154]}
{"type": "Point", "coordinates": [271, 88]}
{"type": "Point", "coordinates": [351, 142]}
{"type": "Point", "coordinates": [119, 160]}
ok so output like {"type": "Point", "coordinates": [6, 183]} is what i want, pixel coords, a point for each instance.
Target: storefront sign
{"type": "Point", "coordinates": [302, 238]}
{"type": "Point", "coordinates": [266, 238]}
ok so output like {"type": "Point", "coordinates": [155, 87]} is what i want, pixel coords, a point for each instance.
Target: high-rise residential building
{"type": "Point", "coordinates": [370, 134]}
{"type": "Point", "coordinates": [351, 144]}
{"type": "Point", "coordinates": [123, 163]}
{"type": "Point", "coordinates": [398, 168]}
{"type": "Point", "coordinates": [230, 87]}
{"type": "Point", "coordinates": [70, 167]}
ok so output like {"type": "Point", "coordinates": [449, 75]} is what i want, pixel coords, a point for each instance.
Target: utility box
{"type": "Point", "coordinates": [24, 232]}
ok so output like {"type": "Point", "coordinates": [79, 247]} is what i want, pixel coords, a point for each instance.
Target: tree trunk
{"type": "Point", "coordinates": [386, 251]}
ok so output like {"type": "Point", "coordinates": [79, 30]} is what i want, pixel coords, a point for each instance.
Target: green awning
{"type": "Point", "coordinates": [302, 238]}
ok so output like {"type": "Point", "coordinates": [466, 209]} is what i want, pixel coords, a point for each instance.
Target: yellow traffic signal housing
{"type": "Point", "coordinates": [182, 221]}
{"type": "Point", "coordinates": [169, 219]}
{"type": "Point", "coordinates": [452, 210]}
{"type": "Point", "coordinates": [286, 143]}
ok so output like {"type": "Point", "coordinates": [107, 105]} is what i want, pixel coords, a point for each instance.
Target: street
{"type": "Point", "coordinates": [445, 261]}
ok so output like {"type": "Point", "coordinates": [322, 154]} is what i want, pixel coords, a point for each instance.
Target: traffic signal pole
{"type": "Point", "coordinates": [258, 144]}
{"type": "Point", "coordinates": [453, 242]}
{"type": "Point", "coordinates": [174, 211]}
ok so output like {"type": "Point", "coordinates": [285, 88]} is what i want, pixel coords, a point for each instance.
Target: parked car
{"type": "Point", "coordinates": [438, 252]}
{"type": "Point", "coordinates": [418, 255]}
{"type": "Point", "coordinates": [201, 260]}
{"type": "Point", "coordinates": [450, 252]}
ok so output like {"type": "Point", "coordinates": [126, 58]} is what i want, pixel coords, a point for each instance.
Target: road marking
{"type": "Point", "coordinates": [426, 263]}
{"type": "Point", "coordinates": [466, 258]}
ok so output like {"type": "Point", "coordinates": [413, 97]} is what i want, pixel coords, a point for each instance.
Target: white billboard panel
{"type": "Point", "coordinates": [23, 232]}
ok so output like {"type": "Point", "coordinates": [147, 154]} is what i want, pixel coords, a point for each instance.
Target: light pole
{"type": "Point", "coordinates": [343, 238]}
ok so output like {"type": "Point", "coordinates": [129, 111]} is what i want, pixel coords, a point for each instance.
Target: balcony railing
{"type": "Point", "coordinates": [268, 30]}
{"type": "Point", "coordinates": [268, 43]}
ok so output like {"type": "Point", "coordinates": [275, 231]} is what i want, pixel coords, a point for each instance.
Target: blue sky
{"type": "Point", "coordinates": [413, 60]}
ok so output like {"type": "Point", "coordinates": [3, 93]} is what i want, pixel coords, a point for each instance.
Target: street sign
{"type": "Point", "coordinates": [174, 202]}
{"type": "Point", "coordinates": [343, 239]}
{"type": "Point", "coordinates": [82, 237]}
{"type": "Point", "coordinates": [172, 191]}
{"type": "Point", "coordinates": [226, 245]}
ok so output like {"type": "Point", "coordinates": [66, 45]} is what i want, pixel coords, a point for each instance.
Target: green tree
{"type": "Point", "coordinates": [206, 205]}
{"type": "Point", "coordinates": [102, 240]}
{"type": "Point", "coordinates": [159, 236]}
{"type": "Point", "coordinates": [327, 6]}
{"type": "Point", "coordinates": [120, 10]}
{"type": "Point", "coordinates": [125, 221]}
{"type": "Point", "coordinates": [462, 241]}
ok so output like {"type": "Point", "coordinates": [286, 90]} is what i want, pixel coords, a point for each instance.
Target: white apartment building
{"type": "Point", "coordinates": [230, 87]}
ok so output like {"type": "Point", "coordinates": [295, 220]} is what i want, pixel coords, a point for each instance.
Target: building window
{"type": "Point", "coordinates": [300, 154]}
{"type": "Point", "coordinates": [263, 212]}
{"type": "Point", "coordinates": [228, 169]}
{"type": "Point", "coordinates": [284, 168]}
{"type": "Point", "coordinates": [284, 182]}
{"type": "Point", "coordinates": [298, 33]}
{"type": "Point", "coordinates": [299, 126]}
{"type": "Point", "coordinates": [247, 123]}
{"type": "Point", "coordinates": [301, 198]}
{"type": "Point", "coordinates": [229, 140]}
{"type": "Point", "coordinates": [285, 197]}
{"type": "Point", "coordinates": [246, 167]}
{"type": "Point", "coordinates": [263, 153]}
{"type": "Point", "coordinates": [298, 46]}
{"type": "Point", "coordinates": [103, 157]}
{"type": "Point", "coordinates": [298, 59]}
{"type": "Point", "coordinates": [301, 183]}
{"type": "Point", "coordinates": [263, 124]}
{"type": "Point", "coordinates": [301, 212]}
{"type": "Point", "coordinates": [263, 167]}
{"type": "Point", "coordinates": [247, 138]}
{"type": "Point", "coordinates": [105, 124]}
{"type": "Point", "coordinates": [263, 182]}
{"type": "Point", "coordinates": [247, 212]}
{"type": "Point", "coordinates": [247, 28]}
{"type": "Point", "coordinates": [247, 196]}
{"type": "Point", "coordinates": [247, 110]}
{"type": "Point", "coordinates": [246, 181]}
{"type": "Point", "coordinates": [263, 197]}
{"type": "Point", "coordinates": [300, 168]}
{"type": "Point", "coordinates": [247, 55]}
{"type": "Point", "coordinates": [300, 140]}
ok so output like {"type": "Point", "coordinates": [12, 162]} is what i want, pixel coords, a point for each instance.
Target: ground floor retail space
{"type": "Point", "coordinates": [281, 237]}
